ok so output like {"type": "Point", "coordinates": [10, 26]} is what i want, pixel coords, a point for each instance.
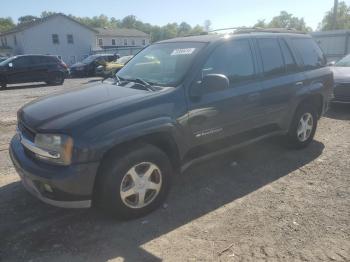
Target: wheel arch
{"type": "Point", "coordinates": [162, 140]}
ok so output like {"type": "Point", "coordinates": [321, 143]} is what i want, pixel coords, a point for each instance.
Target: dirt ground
{"type": "Point", "coordinates": [260, 203]}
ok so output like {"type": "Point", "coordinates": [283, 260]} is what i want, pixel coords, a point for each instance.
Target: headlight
{"type": "Point", "coordinates": [54, 148]}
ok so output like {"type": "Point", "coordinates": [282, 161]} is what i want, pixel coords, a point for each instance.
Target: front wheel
{"type": "Point", "coordinates": [134, 183]}
{"type": "Point", "coordinates": [303, 127]}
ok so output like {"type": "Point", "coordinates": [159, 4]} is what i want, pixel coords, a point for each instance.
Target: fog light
{"type": "Point", "coordinates": [48, 188]}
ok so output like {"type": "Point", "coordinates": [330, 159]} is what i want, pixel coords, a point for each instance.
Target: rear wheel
{"type": "Point", "coordinates": [303, 127]}
{"type": "Point", "coordinates": [134, 183]}
{"type": "Point", "coordinates": [56, 78]}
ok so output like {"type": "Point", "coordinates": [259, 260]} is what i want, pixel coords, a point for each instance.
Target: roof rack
{"type": "Point", "coordinates": [247, 30]}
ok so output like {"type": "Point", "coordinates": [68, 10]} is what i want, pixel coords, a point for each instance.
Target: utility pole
{"type": "Point", "coordinates": [335, 11]}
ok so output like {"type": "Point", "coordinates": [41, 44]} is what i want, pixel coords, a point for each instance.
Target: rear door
{"type": "Point", "coordinates": [221, 114]}
{"type": "Point", "coordinates": [281, 78]}
{"type": "Point", "coordinates": [40, 68]}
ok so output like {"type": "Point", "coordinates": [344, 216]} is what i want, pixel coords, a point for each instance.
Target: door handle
{"type": "Point", "coordinates": [300, 83]}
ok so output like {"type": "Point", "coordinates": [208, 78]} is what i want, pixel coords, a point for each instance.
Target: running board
{"type": "Point", "coordinates": [228, 149]}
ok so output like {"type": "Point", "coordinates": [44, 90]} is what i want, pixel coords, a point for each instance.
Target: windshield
{"type": "Point", "coordinates": [5, 62]}
{"type": "Point", "coordinates": [162, 64]}
{"type": "Point", "coordinates": [344, 62]}
{"type": "Point", "coordinates": [89, 59]}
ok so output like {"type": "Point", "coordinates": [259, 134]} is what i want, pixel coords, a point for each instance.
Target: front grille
{"type": "Point", "coordinates": [342, 92]}
{"type": "Point", "coordinates": [26, 132]}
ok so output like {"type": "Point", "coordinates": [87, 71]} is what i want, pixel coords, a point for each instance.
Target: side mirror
{"type": "Point", "coordinates": [211, 83]}
{"type": "Point", "coordinates": [332, 63]}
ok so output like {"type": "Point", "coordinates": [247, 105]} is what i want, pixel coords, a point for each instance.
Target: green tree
{"type": "Point", "coordinates": [285, 20]}
{"type": "Point", "coordinates": [6, 24]}
{"type": "Point", "coordinates": [27, 19]}
{"type": "Point", "coordinates": [343, 18]}
{"type": "Point", "coordinates": [184, 29]}
{"type": "Point", "coordinates": [129, 21]}
{"type": "Point", "coordinates": [261, 23]}
{"type": "Point", "coordinates": [47, 13]}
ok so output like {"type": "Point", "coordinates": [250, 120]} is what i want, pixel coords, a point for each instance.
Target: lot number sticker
{"type": "Point", "coordinates": [183, 51]}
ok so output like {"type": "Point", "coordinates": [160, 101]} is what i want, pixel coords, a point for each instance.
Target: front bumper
{"type": "Point", "coordinates": [61, 186]}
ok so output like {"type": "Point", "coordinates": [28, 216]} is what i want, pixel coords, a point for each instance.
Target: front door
{"type": "Point", "coordinates": [20, 70]}
{"type": "Point", "coordinates": [222, 114]}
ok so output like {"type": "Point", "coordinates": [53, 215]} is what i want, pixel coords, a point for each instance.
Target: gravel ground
{"type": "Point", "coordinates": [260, 203]}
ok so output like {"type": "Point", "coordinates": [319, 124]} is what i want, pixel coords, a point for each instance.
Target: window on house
{"type": "Point", "coordinates": [144, 42]}
{"type": "Point", "coordinates": [125, 41]}
{"type": "Point", "coordinates": [100, 42]}
{"type": "Point", "coordinates": [132, 42]}
{"type": "Point", "coordinates": [70, 39]}
{"type": "Point", "coordinates": [113, 41]}
{"type": "Point", "coordinates": [15, 39]}
{"type": "Point", "coordinates": [55, 39]}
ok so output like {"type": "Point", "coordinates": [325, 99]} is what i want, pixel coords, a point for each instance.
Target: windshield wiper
{"type": "Point", "coordinates": [140, 81]}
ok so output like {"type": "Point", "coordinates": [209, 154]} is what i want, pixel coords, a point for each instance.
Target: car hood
{"type": "Point", "coordinates": [341, 74]}
{"type": "Point", "coordinates": [65, 110]}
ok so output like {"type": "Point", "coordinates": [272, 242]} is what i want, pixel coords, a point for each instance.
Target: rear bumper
{"type": "Point", "coordinates": [68, 187]}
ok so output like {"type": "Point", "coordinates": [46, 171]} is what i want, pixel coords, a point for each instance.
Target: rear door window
{"type": "Point", "coordinates": [233, 60]}
{"type": "Point", "coordinates": [309, 52]}
{"type": "Point", "coordinates": [289, 61]}
{"type": "Point", "coordinates": [271, 56]}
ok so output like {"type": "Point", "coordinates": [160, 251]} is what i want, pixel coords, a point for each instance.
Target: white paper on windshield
{"type": "Point", "coordinates": [183, 51]}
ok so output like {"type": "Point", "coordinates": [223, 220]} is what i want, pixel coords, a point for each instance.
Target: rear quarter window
{"type": "Point", "coordinates": [310, 53]}
{"type": "Point", "coordinates": [271, 56]}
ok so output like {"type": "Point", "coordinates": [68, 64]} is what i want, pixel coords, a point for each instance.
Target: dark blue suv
{"type": "Point", "coordinates": [117, 144]}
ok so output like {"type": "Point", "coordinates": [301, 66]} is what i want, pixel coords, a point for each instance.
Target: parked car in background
{"type": "Point", "coordinates": [32, 68]}
{"type": "Point", "coordinates": [341, 72]}
{"type": "Point", "coordinates": [177, 102]}
{"type": "Point", "coordinates": [88, 65]}
{"type": "Point", "coordinates": [2, 58]}
{"type": "Point", "coordinates": [109, 69]}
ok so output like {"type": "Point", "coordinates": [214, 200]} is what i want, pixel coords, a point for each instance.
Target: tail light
{"type": "Point", "coordinates": [63, 64]}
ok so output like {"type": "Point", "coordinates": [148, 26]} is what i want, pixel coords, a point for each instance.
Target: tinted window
{"type": "Point", "coordinates": [271, 56]}
{"type": "Point", "coordinates": [310, 53]}
{"type": "Point", "coordinates": [233, 60]}
{"type": "Point", "coordinates": [23, 61]}
{"type": "Point", "coordinates": [288, 58]}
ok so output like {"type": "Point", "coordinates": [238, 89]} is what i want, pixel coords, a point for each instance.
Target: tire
{"type": "Point", "coordinates": [56, 79]}
{"type": "Point", "coordinates": [300, 136]}
{"type": "Point", "coordinates": [116, 177]}
{"type": "Point", "coordinates": [3, 85]}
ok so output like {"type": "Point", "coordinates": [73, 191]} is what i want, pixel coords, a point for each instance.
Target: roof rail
{"type": "Point", "coordinates": [246, 30]}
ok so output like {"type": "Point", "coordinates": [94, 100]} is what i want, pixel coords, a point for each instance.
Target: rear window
{"type": "Point", "coordinates": [309, 52]}
{"type": "Point", "coordinates": [271, 56]}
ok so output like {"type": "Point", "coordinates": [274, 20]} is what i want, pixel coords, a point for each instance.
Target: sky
{"type": "Point", "coordinates": [222, 13]}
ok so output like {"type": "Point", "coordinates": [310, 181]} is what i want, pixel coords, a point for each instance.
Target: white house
{"type": "Point", "coordinates": [63, 36]}
{"type": "Point", "coordinates": [112, 38]}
